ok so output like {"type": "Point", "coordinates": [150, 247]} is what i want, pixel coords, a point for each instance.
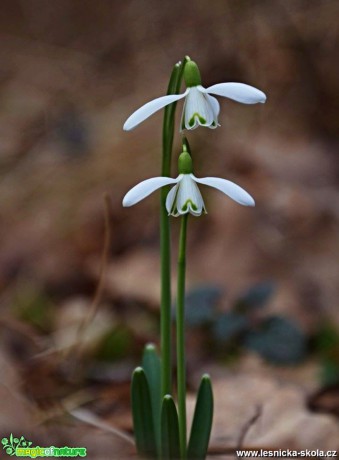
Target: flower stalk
{"type": "Point", "coordinates": [165, 234]}
{"type": "Point", "coordinates": [180, 317]}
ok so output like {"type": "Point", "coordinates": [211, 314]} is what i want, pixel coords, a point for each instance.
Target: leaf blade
{"type": "Point", "coordinates": [202, 421]}
{"type": "Point", "coordinates": [170, 440]}
{"type": "Point", "coordinates": [152, 367]}
{"type": "Point", "coordinates": [142, 415]}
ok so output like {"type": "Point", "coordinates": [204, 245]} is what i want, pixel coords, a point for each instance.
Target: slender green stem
{"type": "Point", "coordinates": [165, 318]}
{"type": "Point", "coordinates": [165, 249]}
{"type": "Point", "coordinates": [181, 371]}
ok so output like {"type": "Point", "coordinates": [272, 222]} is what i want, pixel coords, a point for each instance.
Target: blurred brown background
{"type": "Point", "coordinates": [71, 73]}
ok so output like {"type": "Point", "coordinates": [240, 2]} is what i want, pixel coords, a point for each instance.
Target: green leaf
{"type": "Point", "coordinates": [202, 421]}
{"type": "Point", "coordinates": [152, 367]}
{"type": "Point", "coordinates": [142, 415]}
{"type": "Point", "coordinates": [170, 441]}
{"type": "Point", "coordinates": [278, 340]}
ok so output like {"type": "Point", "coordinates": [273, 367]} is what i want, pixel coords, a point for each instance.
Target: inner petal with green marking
{"type": "Point", "coordinates": [202, 120]}
{"type": "Point", "coordinates": [188, 198]}
{"type": "Point", "coordinates": [198, 110]}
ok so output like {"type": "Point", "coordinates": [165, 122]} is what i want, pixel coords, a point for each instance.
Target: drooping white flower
{"type": "Point", "coordinates": [200, 107]}
{"type": "Point", "coordinates": [185, 196]}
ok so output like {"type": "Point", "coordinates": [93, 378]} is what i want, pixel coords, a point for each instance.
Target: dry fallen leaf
{"type": "Point", "coordinates": [272, 414]}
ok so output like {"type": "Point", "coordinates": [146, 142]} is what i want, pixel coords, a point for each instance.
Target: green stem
{"type": "Point", "coordinates": [165, 249]}
{"type": "Point", "coordinates": [181, 371]}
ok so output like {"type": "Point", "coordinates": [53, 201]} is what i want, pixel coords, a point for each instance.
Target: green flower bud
{"type": "Point", "coordinates": [192, 74]}
{"type": "Point", "coordinates": [185, 165]}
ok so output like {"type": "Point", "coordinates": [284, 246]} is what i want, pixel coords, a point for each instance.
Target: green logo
{"type": "Point", "coordinates": [21, 447]}
{"type": "Point", "coordinates": [12, 443]}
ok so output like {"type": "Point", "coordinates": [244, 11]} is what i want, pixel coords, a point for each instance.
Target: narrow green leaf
{"type": "Point", "coordinates": [142, 415]}
{"type": "Point", "coordinates": [152, 367]}
{"type": "Point", "coordinates": [170, 441]}
{"type": "Point", "coordinates": [202, 421]}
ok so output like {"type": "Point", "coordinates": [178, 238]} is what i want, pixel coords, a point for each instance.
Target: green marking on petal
{"type": "Point", "coordinates": [201, 119]}
{"type": "Point", "coordinates": [191, 121]}
{"type": "Point", "coordinates": [187, 203]}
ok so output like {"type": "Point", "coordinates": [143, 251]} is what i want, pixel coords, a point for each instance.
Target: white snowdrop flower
{"type": "Point", "coordinates": [185, 196]}
{"type": "Point", "coordinates": [200, 107]}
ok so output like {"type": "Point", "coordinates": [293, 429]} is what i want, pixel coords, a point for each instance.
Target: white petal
{"type": "Point", "coordinates": [230, 189]}
{"type": "Point", "coordinates": [215, 105]}
{"type": "Point", "coordinates": [170, 198]}
{"type": "Point", "coordinates": [145, 188]}
{"type": "Point", "coordinates": [238, 92]}
{"type": "Point", "coordinates": [151, 107]}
